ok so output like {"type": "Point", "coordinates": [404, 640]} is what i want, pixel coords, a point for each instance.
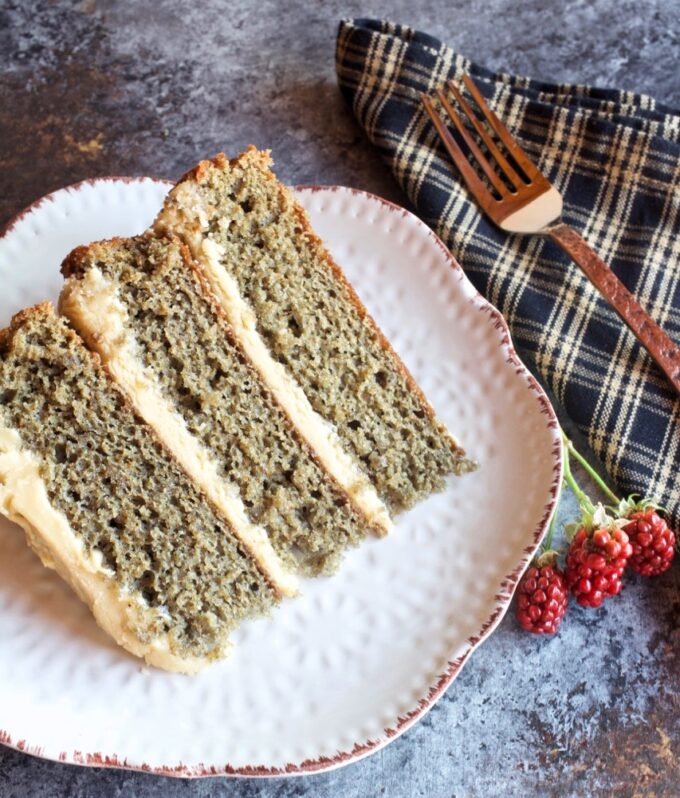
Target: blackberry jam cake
{"type": "Point", "coordinates": [214, 415]}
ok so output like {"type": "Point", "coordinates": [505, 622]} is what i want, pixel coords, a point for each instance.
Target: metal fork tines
{"type": "Point", "coordinates": [507, 190]}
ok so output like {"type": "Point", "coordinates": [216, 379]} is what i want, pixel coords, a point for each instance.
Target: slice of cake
{"type": "Point", "coordinates": [143, 305]}
{"type": "Point", "coordinates": [304, 328]}
{"type": "Point", "coordinates": [105, 504]}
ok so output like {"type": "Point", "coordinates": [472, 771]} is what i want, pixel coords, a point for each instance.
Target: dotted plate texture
{"type": "Point", "coordinates": [335, 674]}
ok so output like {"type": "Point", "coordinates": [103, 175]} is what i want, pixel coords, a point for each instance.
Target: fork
{"type": "Point", "coordinates": [531, 204]}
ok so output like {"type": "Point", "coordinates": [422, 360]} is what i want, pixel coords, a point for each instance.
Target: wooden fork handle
{"type": "Point", "coordinates": [649, 334]}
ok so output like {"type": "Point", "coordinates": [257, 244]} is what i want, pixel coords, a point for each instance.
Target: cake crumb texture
{"type": "Point", "coordinates": [123, 495]}
{"type": "Point", "coordinates": [189, 349]}
{"type": "Point", "coordinates": [314, 325]}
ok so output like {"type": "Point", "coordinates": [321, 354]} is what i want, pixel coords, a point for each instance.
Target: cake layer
{"type": "Point", "coordinates": [254, 241]}
{"type": "Point", "coordinates": [95, 310]}
{"type": "Point", "coordinates": [103, 502]}
{"type": "Point", "coordinates": [175, 335]}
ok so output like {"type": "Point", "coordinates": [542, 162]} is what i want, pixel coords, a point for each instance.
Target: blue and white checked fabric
{"type": "Point", "coordinates": [615, 156]}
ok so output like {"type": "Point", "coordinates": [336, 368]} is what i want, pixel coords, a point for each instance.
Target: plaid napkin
{"type": "Point", "coordinates": [615, 156]}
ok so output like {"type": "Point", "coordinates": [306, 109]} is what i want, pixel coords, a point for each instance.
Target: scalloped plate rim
{"type": "Point", "coordinates": [502, 598]}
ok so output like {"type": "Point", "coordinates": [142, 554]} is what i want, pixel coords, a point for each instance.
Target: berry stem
{"type": "Point", "coordinates": [581, 495]}
{"type": "Point", "coordinates": [571, 449]}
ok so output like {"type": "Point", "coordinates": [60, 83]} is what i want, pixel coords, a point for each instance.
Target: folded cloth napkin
{"type": "Point", "coordinates": [615, 156]}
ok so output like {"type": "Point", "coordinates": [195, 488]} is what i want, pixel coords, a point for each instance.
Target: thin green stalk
{"type": "Point", "coordinates": [589, 469]}
{"type": "Point", "coordinates": [582, 497]}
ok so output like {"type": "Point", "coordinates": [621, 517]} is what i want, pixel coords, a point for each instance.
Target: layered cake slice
{"type": "Point", "coordinates": [144, 306]}
{"type": "Point", "coordinates": [103, 502]}
{"type": "Point", "coordinates": [304, 328]}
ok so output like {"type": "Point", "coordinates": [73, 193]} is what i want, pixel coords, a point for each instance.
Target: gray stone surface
{"type": "Point", "coordinates": [123, 87]}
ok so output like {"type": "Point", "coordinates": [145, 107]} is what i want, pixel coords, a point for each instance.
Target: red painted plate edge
{"type": "Point", "coordinates": [502, 597]}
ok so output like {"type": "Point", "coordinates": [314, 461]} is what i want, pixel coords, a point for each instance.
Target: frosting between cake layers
{"type": "Point", "coordinates": [94, 308]}
{"type": "Point", "coordinates": [320, 435]}
{"type": "Point", "coordinates": [24, 500]}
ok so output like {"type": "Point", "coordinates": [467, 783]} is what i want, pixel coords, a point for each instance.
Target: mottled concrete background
{"type": "Point", "coordinates": [131, 88]}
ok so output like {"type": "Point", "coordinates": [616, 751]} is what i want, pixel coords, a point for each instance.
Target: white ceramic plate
{"type": "Point", "coordinates": [339, 672]}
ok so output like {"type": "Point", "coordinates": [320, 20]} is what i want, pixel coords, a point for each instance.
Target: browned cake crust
{"type": "Point", "coordinates": [200, 173]}
{"type": "Point", "coordinates": [107, 505]}
{"type": "Point", "coordinates": [45, 309]}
